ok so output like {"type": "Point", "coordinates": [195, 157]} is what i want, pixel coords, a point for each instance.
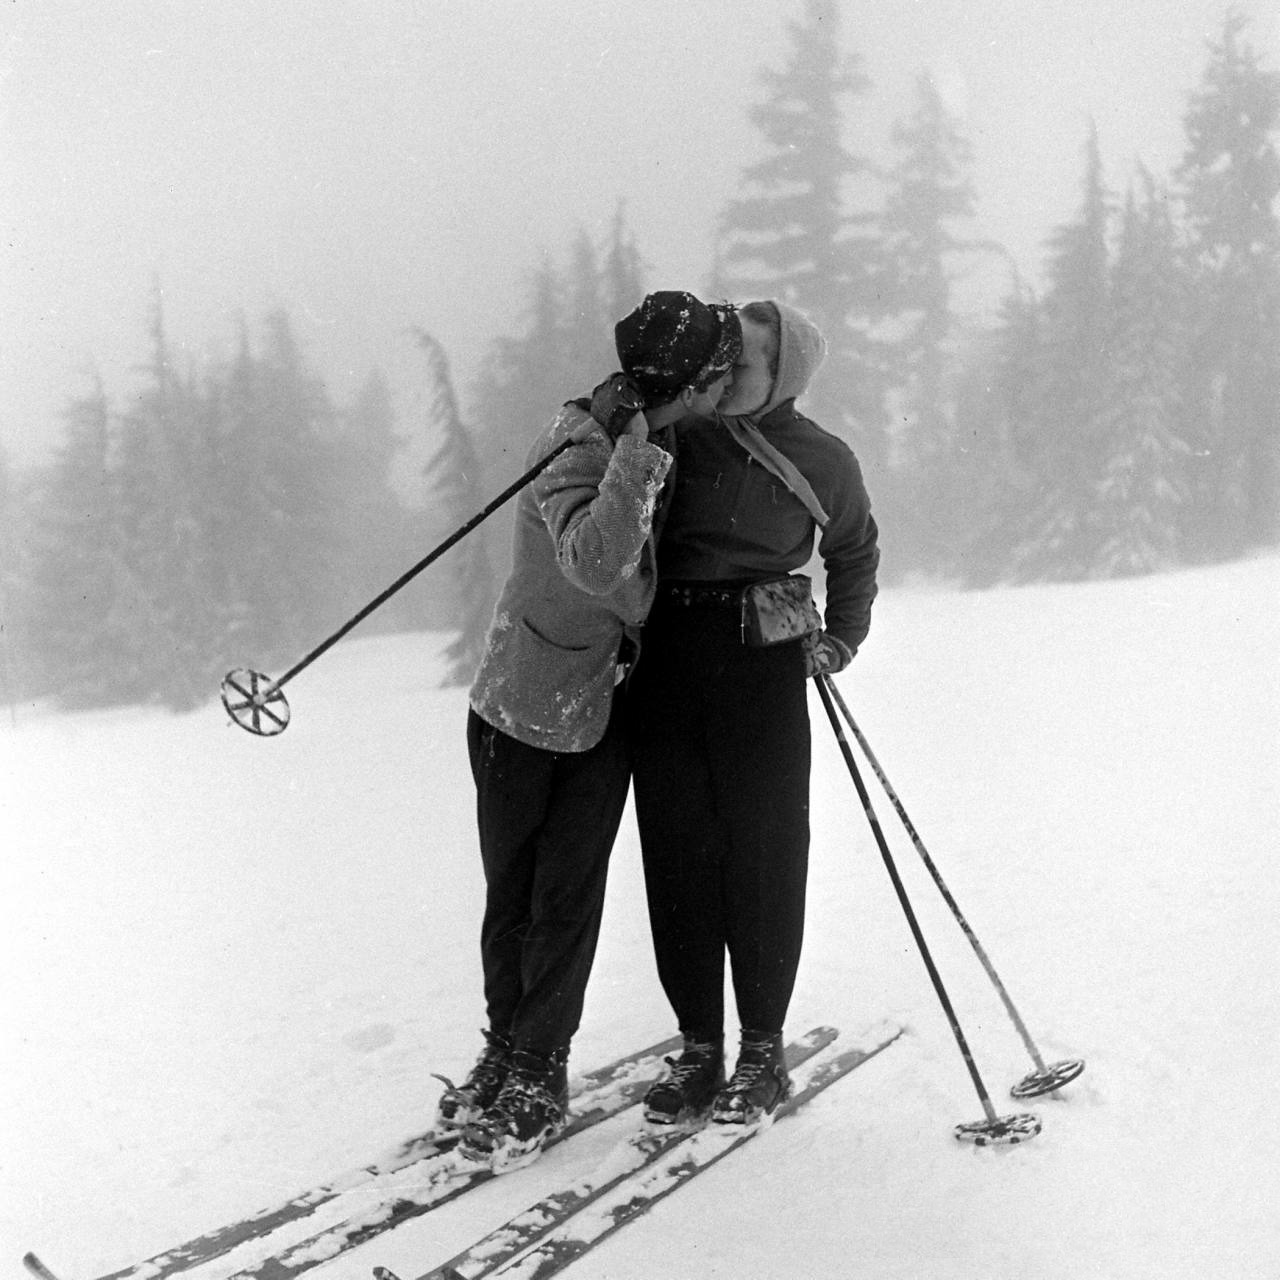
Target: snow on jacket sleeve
{"type": "Point", "coordinates": [597, 500]}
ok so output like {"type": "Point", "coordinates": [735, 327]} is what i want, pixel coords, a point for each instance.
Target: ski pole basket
{"type": "Point", "coordinates": [1047, 1078]}
{"type": "Point", "coordinates": [255, 702]}
{"type": "Point", "coordinates": [999, 1130]}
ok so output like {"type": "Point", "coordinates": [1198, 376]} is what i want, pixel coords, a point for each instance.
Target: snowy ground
{"type": "Point", "coordinates": [231, 963]}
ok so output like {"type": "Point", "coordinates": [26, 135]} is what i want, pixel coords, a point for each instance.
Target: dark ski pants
{"type": "Point", "coordinates": [547, 823]}
{"type": "Point", "coordinates": [720, 757]}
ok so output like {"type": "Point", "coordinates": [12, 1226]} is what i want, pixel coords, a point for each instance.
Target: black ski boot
{"type": "Point", "coordinates": [759, 1084]}
{"type": "Point", "coordinates": [530, 1109]}
{"type": "Point", "coordinates": [460, 1104]}
{"type": "Point", "coordinates": [684, 1096]}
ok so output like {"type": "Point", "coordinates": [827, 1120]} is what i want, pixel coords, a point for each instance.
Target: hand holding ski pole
{"type": "Point", "coordinates": [615, 405]}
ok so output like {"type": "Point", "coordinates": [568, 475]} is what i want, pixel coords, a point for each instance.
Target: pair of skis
{"type": "Point", "coordinates": [437, 1178]}
{"type": "Point", "coordinates": [644, 1169]}
{"type": "Point", "coordinates": [596, 1096]}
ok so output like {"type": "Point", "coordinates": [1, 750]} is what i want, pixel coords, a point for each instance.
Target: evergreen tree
{"type": "Point", "coordinates": [80, 641]}
{"type": "Point", "coordinates": [792, 236]}
{"type": "Point", "coordinates": [175, 597]}
{"type": "Point", "coordinates": [1142, 487]}
{"type": "Point", "coordinates": [1230, 179]}
{"type": "Point", "coordinates": [458, 483]}
{"type": "Point", "coordinates": [929, 204]}
{"type": "Point", "coordinates": [200, 610]}
{"type": "Point", "coordinates": [368, 439]}
{"type": "Point", "coordinates": [378, 539]}
{"type": "Point", "coordinates": [217, 516]}
{"type": "Point", "coordinates": [996, 402]}
{"type": "Point", "coordinates": [285, 480]}
{"type": "Point", "coordinates": [158, 537]}
{"type": "Point", "coordinates": [300, 417]}
{"type": "Point", "coordinates": [523, 381]}
{"type": "Point", "coordinates": [248, 555]}
{"type": "Point", "coordinates": [1020, 365]}
{"type": "Point", "coordinates": [622, 285]}
{"type": "Point", "coordinates": [214, 509]}
{"type": "Point", "coordinates": [1060, 540]}
{"type": "Point", "coordinates": [1014, 427]}
{"type": "Point", "coordinates": [13, 603]}
{"type": "Point", "coordinates": [526, 377]}
{"type": "Point", "coordinates": [588, 329]}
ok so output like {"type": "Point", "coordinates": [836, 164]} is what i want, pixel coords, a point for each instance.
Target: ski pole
{"type": "Point", "coordinates": [994, 1129]}
{"type": "Point", "coordinates": [257, 703]}
{"type": "Point", "coordinates": [37, 1268]}
{"type": "Point", "coordinates": [1045, 1078]}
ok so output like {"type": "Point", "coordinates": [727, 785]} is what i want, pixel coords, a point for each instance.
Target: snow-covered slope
{"type": "Point", "coordinates": [231, 963]}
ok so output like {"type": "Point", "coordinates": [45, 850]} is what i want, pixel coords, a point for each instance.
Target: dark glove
{"type": "Point", "coordinates": [824, 655]}
{"type": "Point", "coordinates": [615, 402]}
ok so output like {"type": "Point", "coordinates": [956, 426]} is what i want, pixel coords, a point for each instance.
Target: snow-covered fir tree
{"type": "Point", "coordinates": [164, 601]}
{"type": "Point", "coordinates": [1066, 453]}
{"type": "Point", "coordinates": [12, 573]}
{"type": "Point", "coordinates": [804, 229]}
{"type": "Point", "coordinates": [1143, 484]}
{"type": "Point", "coordinates": [523, 380]}
{"type": "Point", "coordinates": [76, 642]}
{"type": "Point", "coordinates": [527, 376]}
{"type": "Point", "coordinates": [588, 322]}
{"type": "Point", "coordinates": [927, 215]}
{"type": "Point", "coordinates": [994, 407]}
{"type": "Point", "coordinates": [1229, 178]}
{"type": "Point", "coordinates": [247, 529]}
{"type": "Point", "coordinates": [378, 538]}
{"type": "Point", "coordinates": [622, 276]}
{"type": "Point", "coordinates": [284, 477]}
{"type": "Point", "coordinates": [457, 475]}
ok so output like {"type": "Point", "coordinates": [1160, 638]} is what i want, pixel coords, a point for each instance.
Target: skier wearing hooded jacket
{"type": "Point", "coordinates": [545, 732]}
{"type": "Point", "coordinates": [720, 727]}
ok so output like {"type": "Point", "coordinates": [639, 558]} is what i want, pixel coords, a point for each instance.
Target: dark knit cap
{"type": "Point", "coordinates": [672, 341]}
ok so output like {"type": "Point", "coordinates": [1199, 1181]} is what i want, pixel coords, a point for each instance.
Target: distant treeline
{"type": "Point", "coordinates": [224, 516]}
{"type": "Point", "coordinates": [1122, 419]}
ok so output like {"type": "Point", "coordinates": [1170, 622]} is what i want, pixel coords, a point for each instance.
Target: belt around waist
{"type": "Point", "coordinates": [702, 595]}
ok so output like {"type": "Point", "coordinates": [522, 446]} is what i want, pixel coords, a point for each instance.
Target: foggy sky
{"type": "Point", "coordinates": [372, 167]}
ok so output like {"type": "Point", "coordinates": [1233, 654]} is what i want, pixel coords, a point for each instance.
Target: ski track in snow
{"type": "Point", "coordinates": [232, 963]}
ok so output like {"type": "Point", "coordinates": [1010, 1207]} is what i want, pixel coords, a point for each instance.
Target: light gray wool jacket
{"type": "Point", "coordinates": [583, 575]}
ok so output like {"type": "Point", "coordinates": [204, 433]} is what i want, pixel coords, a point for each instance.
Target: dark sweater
{"type": "Point", "coordinates": [732, 520]}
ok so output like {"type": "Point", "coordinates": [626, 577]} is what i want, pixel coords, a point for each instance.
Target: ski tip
{"type": "Point", "coordinates": [385, 1273]}
{"type": "Point", "coordinates": [821, 1035]}
{"type": "Point", "coordinates": [36, 1267]}
{"type": "Point", "coordinates": [447, 1272]}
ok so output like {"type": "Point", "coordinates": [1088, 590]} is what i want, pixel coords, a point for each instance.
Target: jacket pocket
{"type": "Point", "coordinates": [554, 644]}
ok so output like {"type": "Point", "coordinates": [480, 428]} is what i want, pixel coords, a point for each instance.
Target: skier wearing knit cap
{"type": "Point", "coordinates": [545, 730]}
{"type": "Point", "coordinates": [718, 711]}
